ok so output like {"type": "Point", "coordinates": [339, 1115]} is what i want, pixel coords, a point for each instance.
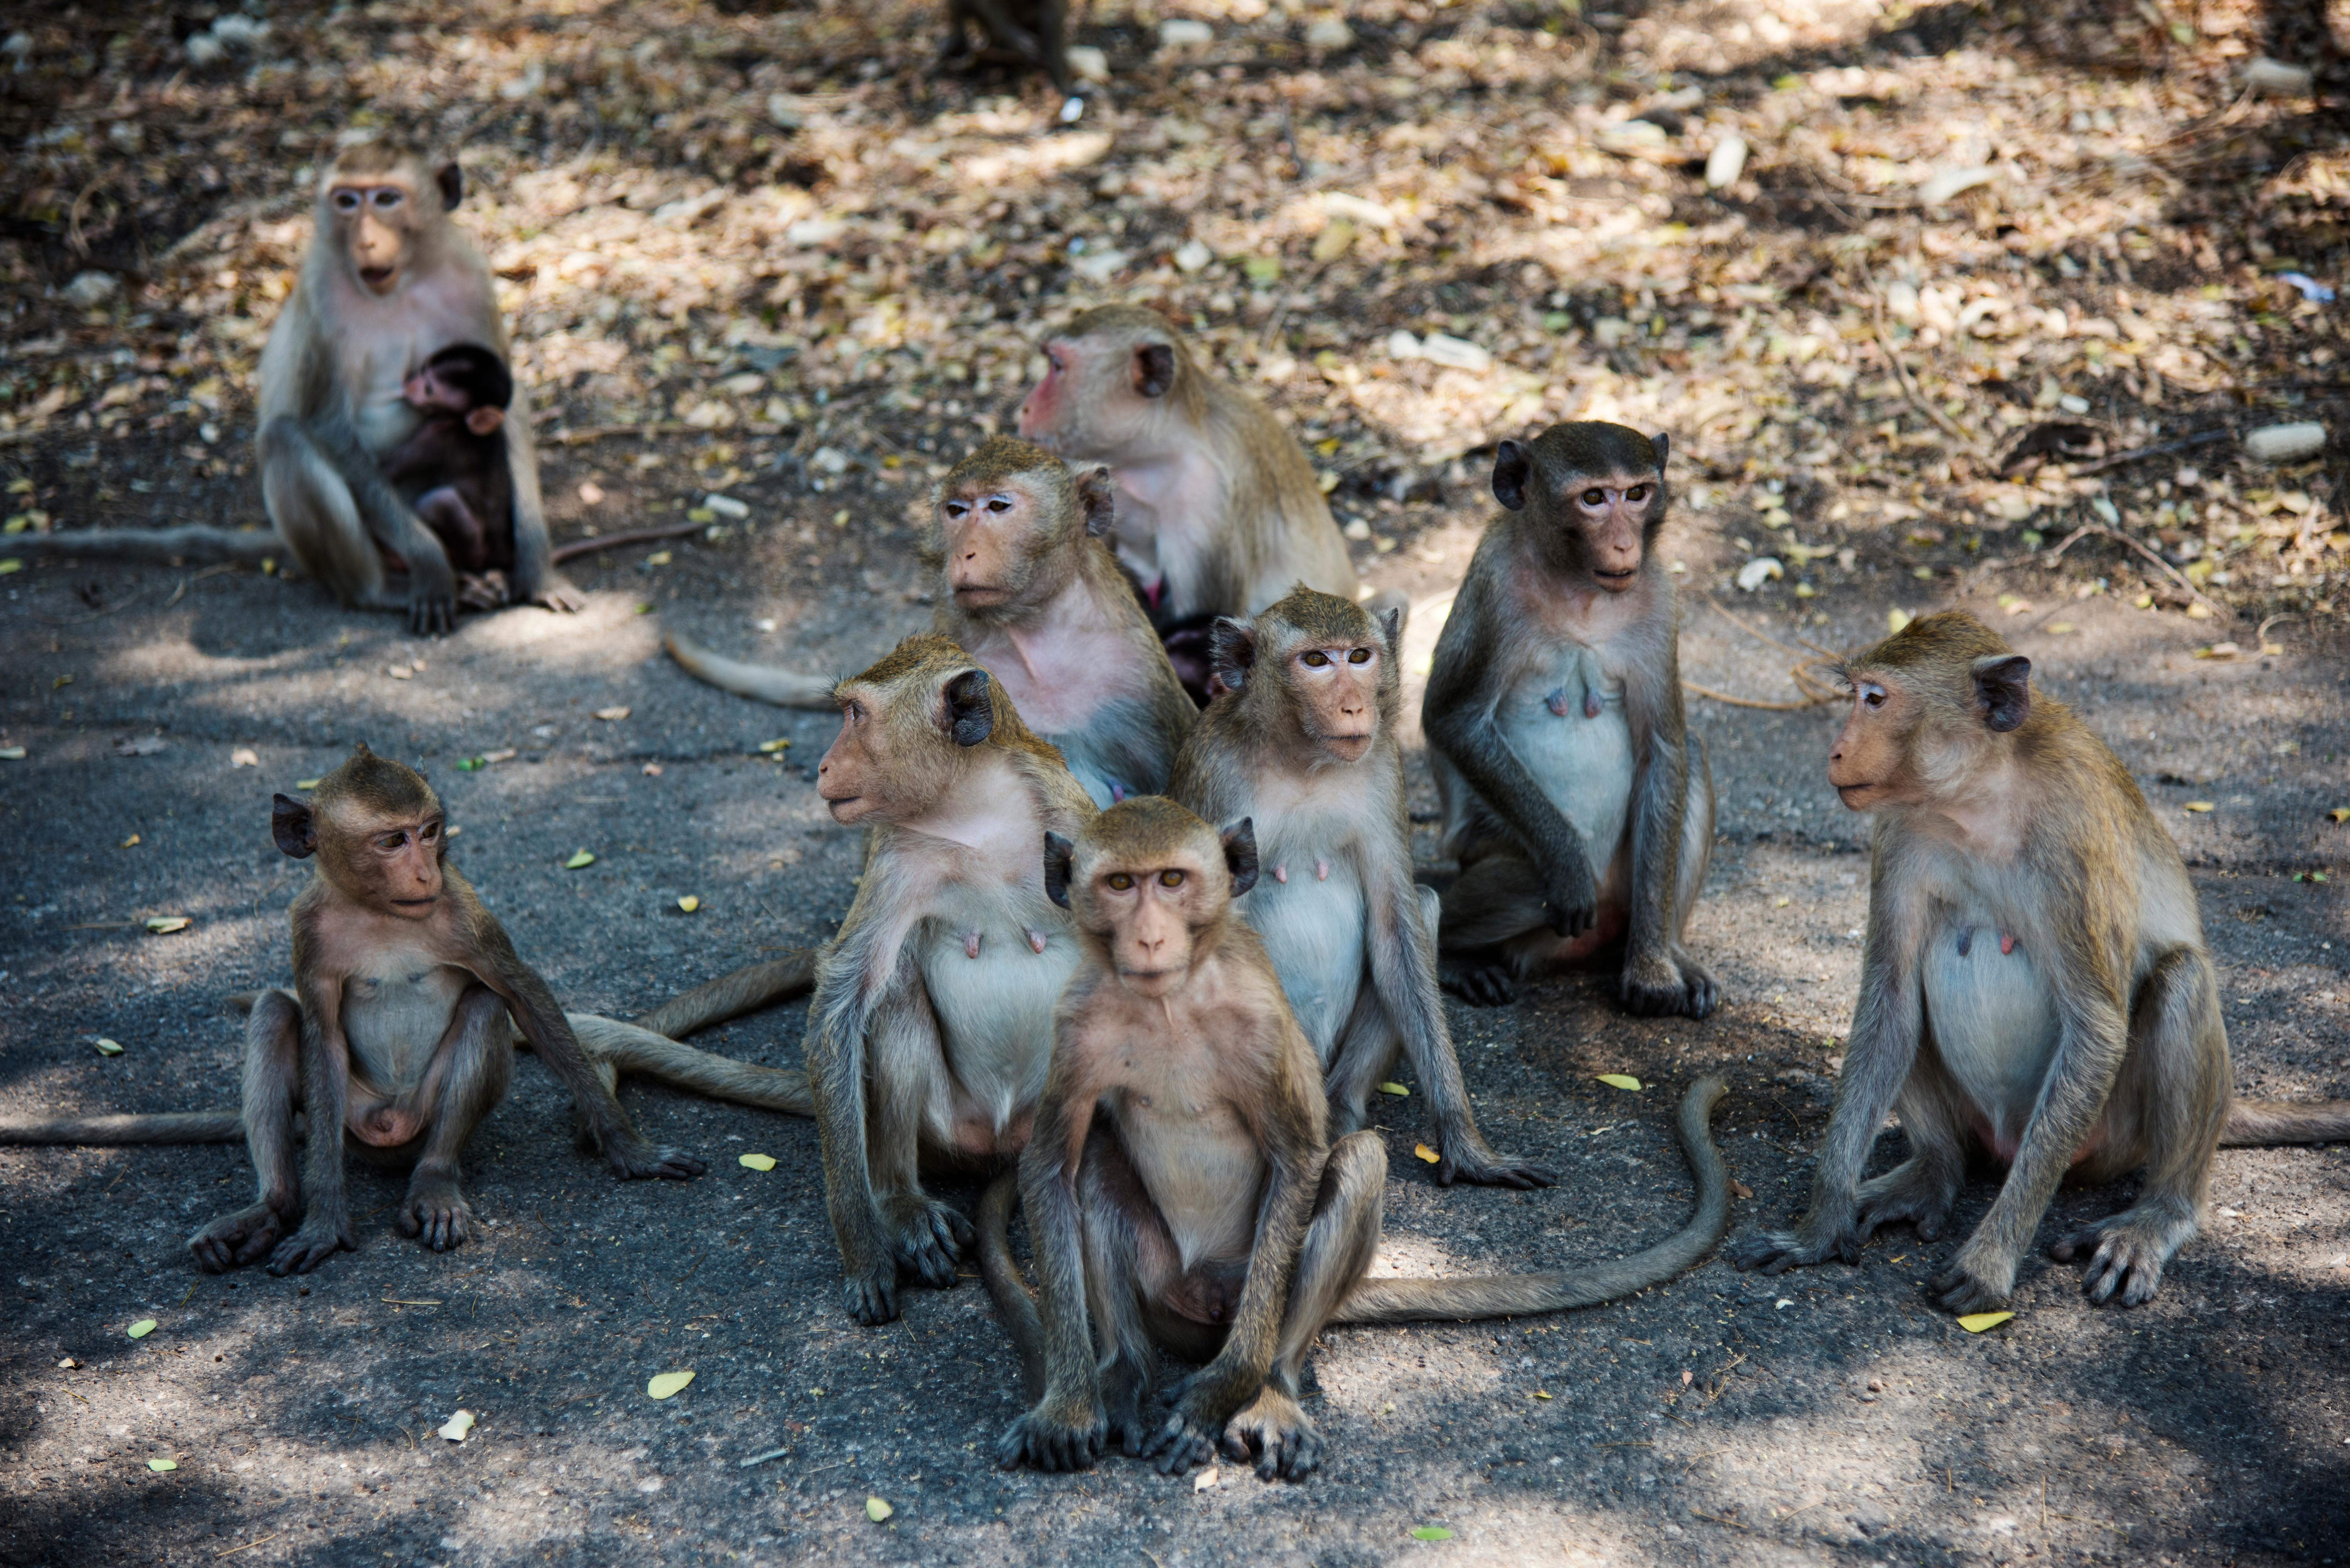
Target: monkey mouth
{"type": "Point", "coordinates": [981, 594]}
{"type": "Point", "coordinates": [1348, 748]}
{"type": "Point", "coordinates": [378, 278]}
{"type": "Point", "coordinates": [424, 903]}
{"type": "Point", "coordinates": [1856, 797]}
{"type": "Point", "coordinates": [1616, 582]}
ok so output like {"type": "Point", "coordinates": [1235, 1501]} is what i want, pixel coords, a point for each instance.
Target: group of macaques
{"type": "Point", "coordinates": [1139, 949]}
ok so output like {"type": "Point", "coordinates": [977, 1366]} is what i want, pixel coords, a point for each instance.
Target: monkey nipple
{"type": "Point", "coordinates": [971, 943]}
{"type": "Point", "coordinates": [1321, 870]}
{"type": "Point", "coordinates": [2006, 943]}
{"type": "Point", "coordinates": [1556, 703]}
{"type": "Point", "coordinates": [1966, 941]}
{"type": "Point", "coordinates": [1591, 704]}
{"type": "Point", "coordinates": [1036, 940]}
{"type": "Point", "coordinates": [1281, 874]}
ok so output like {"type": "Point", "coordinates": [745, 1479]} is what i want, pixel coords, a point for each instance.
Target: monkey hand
{"type": "Point", "coordinates": [1661, 983]}
{"type": "Point", "coordinates": [1776, 1251]}
{"type": "Point", "coordinates": [1280, 1437]}
{"type": "Point", "coordinates": [557, 594]}
{"type": "Point", "coordinates": [1975, 1282]}
{"type": "Point", "coordinates": [872, 1294]}
{"type": "Point", "coordinates": [435, 1212]}
{"type": "Point", "coordinates": [1193, 1429]}
{"type": "Point", "coordinates": [236, 1240]}
{"type": "Point", "coordinates": [320, 1239]}
{"type": "Point", "coordinates": [632, 1159]}
{"type": "Point", "coordinates": [930, 1236]}
{"type": "Point", "coordinates": [2126, 1252]}
{"type": "Point", "coordinates": [1463, 1155]}
{"type": "Point", "coordinates": [1057, 1435]}
{"type": "Point", "coordinates": [431, 604]}
{"type": "Point", "coordinates": [1570, 895]}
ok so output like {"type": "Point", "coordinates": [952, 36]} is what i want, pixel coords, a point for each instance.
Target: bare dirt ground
{"type": "Point", "coordinates": [1849, 370]}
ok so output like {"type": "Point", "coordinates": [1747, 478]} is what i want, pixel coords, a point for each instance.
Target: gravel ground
{"type": "Point", "coordinates": [1830, 1415]}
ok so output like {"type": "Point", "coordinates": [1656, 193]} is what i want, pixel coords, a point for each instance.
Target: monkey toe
{"type": "Point", "coordinates": [1493, 1170]}
{"type": "Point", "coordinates": [305, 1249]}
{"type": "Point", "coordinates": [1960, 1292]}
{"type": "Point", "coordinates": [873, 1299]}
{"type": "Point", "coordinates": [1478, 985]}
{"type": "Point", "coordinates": [1773, 1252]}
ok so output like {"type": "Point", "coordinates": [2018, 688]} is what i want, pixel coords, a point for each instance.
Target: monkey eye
{"type": "Point", "coordinates": [956, 508]}
{"type": "Point", "coordinates": [1121, 881]}
{"type": "Point", "coordinates": [388, 198]}
{"type": "Point", "coordinates": [430, 831]}
{"type": "Point", "coordinates": [1360, 656]}
{"type": "Point", "coordinates": [1171, 878]}
{"type": "Point", "coordinates": [1595, 498]}
{"type": "Point", "coordinates": [1873, 698]}
{"type": "Point", "coordinates": [1316, 658]}
{"type": "Point", "coordinates": [1053, 358]}
{"type": "Point", "coordinates": [1638, 492]}
{"type": "Point", "coordinates": [999, 503]}
{"type": "Point", "coordinates": [347, 200]}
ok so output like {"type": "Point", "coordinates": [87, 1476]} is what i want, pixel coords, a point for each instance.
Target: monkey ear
{"type": "Point", "coordinates": [1154, 369]}
{"type": "Point", "coordinates": [1512, 469]}
{"type": "Point", "coordinates": [484, 420]}
{"type": "Point", "coordinates": [451, 180]}
{"type": "Point", "coordinates": [359, 749]}
{"type": "Point", "coordinates": [1663, 444]}
{"type": "Point", "coordinates": [1232, 651]}
{"type": "Point", "coordinates": [1058, 853]}
{"type": "Point", "coordinates": [1240, 854]}
{"type": "Point", "coordinates": [1391, 623]}
{"type": "Point", "coordinates": [290, 825]}
{"type": "Point", "coordinates": [1097, 495]}
{"type": "Point", "coordinates": [2003, 685]}
{"type": "Point", "coordinates": [971, 717]}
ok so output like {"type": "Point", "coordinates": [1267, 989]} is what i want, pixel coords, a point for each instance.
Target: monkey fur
{"type": "Point", "coordinates": [453, 468]}
{"type": "Point", "coordinates": [1181, 1189]}
{"type": "Point", "coordinates": [2035, 984]}
{"type": "Point", "coordinates": [1026, 32]}
{"type": "Point", "coordinates": [1578, 805]}
{"type": "Point", "coordinates": [1304, 745]}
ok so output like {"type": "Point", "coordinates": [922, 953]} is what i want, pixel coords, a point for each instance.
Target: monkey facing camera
{"type": "Point", "coordinates": [2034, 989]}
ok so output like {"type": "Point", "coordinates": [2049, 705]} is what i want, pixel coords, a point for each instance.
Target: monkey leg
{"type": "Point", "coordinates": [474, 1060]}
{"type": "Point", "coordinates": [1366, 1057]}
{"type": "Point", "coordinates": [1497, 898]}
{"type": "Point", "coordinates": [1131, 1259]}
{"type": "Point", "coordinates": [1921, 1188]}
{"type": "Point", "coordinates": [273, 1073]}
{"type": "Point", "coordinates": [2172, 1094]}
{"type": "Point", "coordinates": [314, 512]}
{"type": "Point", "coordinates": [461, 532]}
{"type": "Point", "coordinates": [1663, 979]}
{"type": "Point", "coordinates": [909, 1087]}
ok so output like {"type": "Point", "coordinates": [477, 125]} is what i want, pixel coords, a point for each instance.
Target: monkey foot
{"type": "Point", "coordinates": [1478, 984]}
{"type": "Point", "coordinates": [236, 1240]}
{"type": "Point", "coordinates": [1048, 1442]}
{"type": "Point", "coordinates": [436, 1213]}
{"type": "Point", "coordinates": [1961, 1289]}
{"type": "Point", "coordinates": [1776, 1251]}
{"type": "Point", "coordinates": [635, 1160]}
{"type": "Point", "coordinates": [1279, 1436]}
{"type": "Point", "coordinates": [2122, 1256]}
{"type": "Point", "coordinates": [872, 1298]}
{"type": "Point", "coordinates": [313, 1244]}
{"type": "Point", "coordinates": [931, 1236]}
{"type": "Point", "coordinates": [1898, 1197]}
{"type": "Point", "coordinates": [1666, 988]}
{"type": "Point", "coordinates": [1480, 1166]}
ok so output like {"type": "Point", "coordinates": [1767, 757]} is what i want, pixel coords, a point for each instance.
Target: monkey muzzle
{"type": "Point", "coordinates": [1616, 582]}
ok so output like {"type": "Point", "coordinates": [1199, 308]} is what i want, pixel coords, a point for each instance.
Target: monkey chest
{"type": "Point", "coordinates": [1308, 909]}
{"type": "Point", "coordinates": [1992, 1020]}
{"type": "Point", "coordinates": [395, 1013]}
{"type": "Point", "coordinates": [1202, 1168]}
{"type": "Point", "coordinates": [992, 994]}
{"type": "Point", "coordinates": [1581, 760]}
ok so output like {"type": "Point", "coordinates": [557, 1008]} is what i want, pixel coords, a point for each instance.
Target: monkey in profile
{"type": "Point", "coordinates": [1028, 589]}
{"type": "Point", "coordinates": [2035, 985]}
{"type": "Point", "coordinates": [453, 469]}
{"type": "Point", "coordinates": [1304, 745]}
{"type": "Point", "coordinates": [1219, 513]}
{"type": "Point", "coordinates": [396, 1033]}
{"type": "Point", "coordinates": [1578, 804]}
{"type": "Point", "coordinates": [1181, 1188]}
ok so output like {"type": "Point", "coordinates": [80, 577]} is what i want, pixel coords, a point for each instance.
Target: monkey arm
{"type": "Point", "coordinates": [1656, 977]}
{"type": "Point", "coordinates": [1068, 1426]}
{"type": "Point", "coordinates": [325, 1226]}
{"type": "Point", "coordinates": [1402, 956]}
{"type": "Point", "coordinates": [867, 964]}
{"type": "Point", "coordinates": [432, 585]}
{"type": "Point", "coordinates": [535, 580]}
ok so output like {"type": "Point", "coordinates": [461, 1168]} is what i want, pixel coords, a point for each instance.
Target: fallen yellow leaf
{"type": "Point", "coordinates": [305, 784]}
{"type": "Point", "coordinates": [1895, 620]}
{"type": "Point", "coordinates": [455, 1428]}
{"type": "Point", "coordinates": [165, 925]}
{"type": "Point", "coordinates": [758, 1161]}
{"type": "Point", "coordinates": [1620, 1080]}
{"type": "Point", "coordinates": [1206, 1480]}
{"type": "Point", "coordinates": [109, 1047]}
{"type": "Point", "coordinates": [142, 1329]}
{"type": "Point", "coordinates": [1780, 902]}
{"type": "Point", "coordinates": [665, 1383]}
{"type": "Point", "coordinates": [659, 558]}
{"type": "Point", "coordinates": [2198, 806]}
{"type": "Point", "coordinates": [579, 857]}
{"type": "Point", "coordinates": [2340, 813]}
{"type": "Point", "coordinates": [611, 714]}
{"type": "Point", "coordinates": [244, 757]}
{"type": "Point", "coordinates": [1396, 1089]}
{"type": "Point", "coordinates": [1542, 1393]}
{"type": "Point", "coordinates": [1975, 1323]}
{"type": "Point", "coordinates": [1427, 1153]}
{"type": "Point", "coordinates": [689, 903]}
{"type": "Point", "coordinates": [132, 842]}
{"type": "Point", "coordinates": [877, 1510]}
{"type": "Point", "coordinates": [771, 747]}
{"type": "Point", "coordinates": [2061, 627]}
{"type": "Point", "coordinates": [12, 754]}
{"type": "Point", "coordinates": [160, 1465]}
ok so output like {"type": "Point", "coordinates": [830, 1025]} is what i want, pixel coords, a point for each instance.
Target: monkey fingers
{"type": "Point", "coordinates": [317, 1241]}
{"type": "Point", "coordinates": [2120, 1256]}
{"type": "Point", "coordinates": [432, 608]}
{"type": "Point", "coordinates": [1773, 1252]}
{"type": "Point", "coordinates": [634, 1159]}
{"type": "Point", "coordinates": [1208, 1401]}
{"type": "Point", "coordinates": [1661, 987]}
{"type": "Point", "coordinates": [1466, 1158]}
{"type": "Point", "coordinates": [1280, 1437]}
{"type": "Point", "coordinates": [236, 1240]}
{"type": "Point", "coordinates": [1972, 1285]}
{"type": "Point", "coordinates": [560, 596]}
{"type": "Point", "coordinates": [1478, 983]}
{"type": "Point", "coordinates": [1052, 1440]}
{"type": "Point", "coordinates": [931, 1236]}
{"type": "Point", "coordinates": [1571, 898]}
{"type": "Point", "coordinates": [435, 1211]}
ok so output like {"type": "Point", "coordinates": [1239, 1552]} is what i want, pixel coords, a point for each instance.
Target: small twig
{"type": "Point", "coordinates": [571, 550]}
{"type": "Point", "coordinates": [1902, 371]}
{"type": "Point", "coordinates": [2200, 438]}
{"type": "Point", "coordinates": [248, 1546]}
{"type": "Point", "coordinates": [2167, 569]}
{"type": "Point", "coordinates": [763, 1459]}
{"type": "Point", "coordinates": [2260, 638]}
{"type": "Point", "coordinates": [399, 1301]}
{"type": "Point", "coordinates": [1722, 1518]}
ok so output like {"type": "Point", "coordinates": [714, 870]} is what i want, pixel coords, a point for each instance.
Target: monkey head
{"type": "Point", "coordinates": [908, 726]}
{"type": "Point", "coordinates": [1316, 666]}
{"type": "Point", "coordinates": [1928, 704]}
{"type": "Point", "coordinates": [463, 378]}
{"type": "Point", "coordinates": [370, 199]}
{"type": "Point", "coordinates": [1600, 487]}
{"type": "Point", "coordinates": [377, 829]}
{"type": "Point", "coordinates": [1004, 518]}
{"type": "Point", "coordinates": [1153, 886]}
{"type": "Point", "coordinates": [1108, 377]}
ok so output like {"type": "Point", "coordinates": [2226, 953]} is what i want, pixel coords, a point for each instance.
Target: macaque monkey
{"type": "Point", "coordinates": [932, 1020]}
{"type": "Point", "coordinates": [1181, 1189]}
{"type": "Point", "coordinates": [1578, 804]}
{"type": "Point", "coordinates": [2035, 987]}
{"type": "Point", "coordinates": [1023, 32]}
{"type": "Point", "coordinates": [453, 469]}
{"type": "Point", "coordinates": [1027, 589]}
{"type": "Point", "coordinates": [396, 1032]}
{"type": "Point", "coordinates": [1218, 510]}
{"type": "Point", "coordinates": [1303, 745]}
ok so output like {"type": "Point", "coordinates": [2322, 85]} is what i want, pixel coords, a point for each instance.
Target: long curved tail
{"type": "Point", "coordinates": [1006, 1288]}
{"type": "Point", "coordinates": [191, 542]}
{"type": "Point", "coordinates": [108, 1132]}
{"type": "Point", "coordinates": [732, 995]}
{"type": "Point", "coordinates": [783, 688]}
{"type": "Point", "coordinates": [1514, 1296]}
{"type": "Point", "coordinates": [629, 1049]}
{"type": "Point", "coordinates": [2257, 1124]}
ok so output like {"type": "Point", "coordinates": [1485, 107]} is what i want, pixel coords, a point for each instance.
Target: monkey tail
{"type": "Point", "coordinates": [160, 547]}
{"type": "Point", "coordinates": [1010, 1293]}
{"type": "Point", "coordinates": [666, 1061]}
{"type": "Point", "coordinates": [732, 995]}
{"type": "Point", "coordinates": [108, 1132]}
{"type": "Point", "coordinates": [2257, 1124]}
{"type": "Point", "coordinates": [1514, 1296]}
{"type": "Point", "coordinates": [783, 688]}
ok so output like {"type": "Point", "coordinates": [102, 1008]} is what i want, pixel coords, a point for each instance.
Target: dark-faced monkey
{"type": "Point", "coordinates": [1028, 589]}
{"type": "Point", "coordinates": [396, 1032]}
{"type": "Point", "coordinates": [1219, 513]}
{"type": "Point", "coordinates": [2035, 987]}
{"type": "Point", "coordinates": [932, 1023]}
{"type": "Point", "coordinates": [1304, 745]}
{"type": "Point", "coordinates": [1578, 804]}
{"type": "Point", "coordinates": [453, 468]}
{"type": "Point", "coordinates": [1180, 1190]}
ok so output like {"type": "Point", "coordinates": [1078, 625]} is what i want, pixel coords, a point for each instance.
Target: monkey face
{"type": "Point", "coordinates": [390, 864]}
{"type": "Point", "coordinates": [854, 777]}
{"type": "Point", "coordinates": [1148, 880]}
{"type": "Point", "coordinates": [1869, 763]}
{"type": "Point", "coordinates": [896, 753]}
{"type": "Point", "coordinates": [430, 392]}
{"type": "Point", "coordinates": [1099, 387]}
{"type": "Point", "coordinates": [1336, 693]}
{"type": "Point", "coordinates": [1613, 511]}
{"type": "Point", "coordinates": [991, 531]}
{"type": "Point", "coordinates": [373, 222]}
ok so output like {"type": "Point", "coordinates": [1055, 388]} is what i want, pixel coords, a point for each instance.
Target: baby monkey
{"type": "Point", "coordinates": [453, 470]}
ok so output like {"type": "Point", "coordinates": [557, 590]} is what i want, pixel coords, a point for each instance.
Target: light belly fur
{"type": "Point", "coordinates": [1992, 1023]}
{"type": "Point", "coordinates": [1313, 931]}
{"type": "Point", "coordinates": [393, 1018]}
{"type": "Point", "coordinates": [1583, 765]}
{"type": "Point", "coordinates": [994, 1015]}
